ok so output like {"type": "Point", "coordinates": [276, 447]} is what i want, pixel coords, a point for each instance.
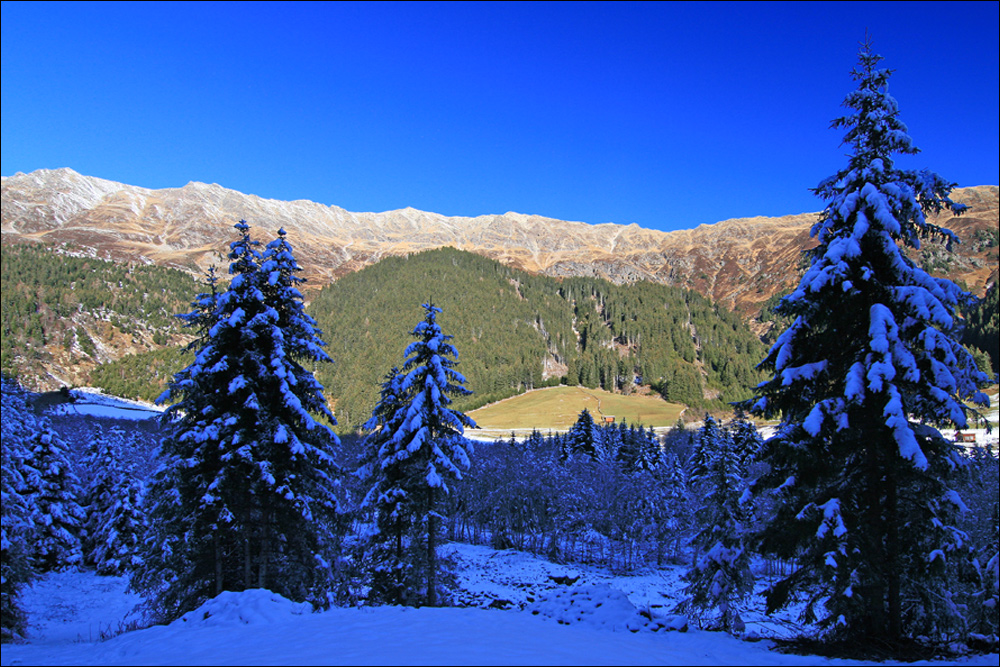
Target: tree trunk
{"type": "Point", "coordinates": [892, 564]}
{"type": "Point", "coordinates": [431, 551]}
{"type": "Point", "coordinates": [265, 555]}
{"type": "Point", "coordinates": [247, 564]}
{"type": "Point", "coordinates": [218, 563]}
{"type": "Point", "coordinates": [875, 599]}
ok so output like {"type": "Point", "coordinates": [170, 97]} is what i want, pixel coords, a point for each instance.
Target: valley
{"type": "Point", "coordinates": [94, 271]}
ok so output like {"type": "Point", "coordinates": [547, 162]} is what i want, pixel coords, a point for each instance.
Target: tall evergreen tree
{"type": "Point", "coordinates": [388, 555]}
{"type": "Point", "coordinates": [54, 491]}
{"type": "Point", "coordinates": [746, 440]}
{"type": "Point", "coordinates": [868, 366]}
{"type": "Point", "coordinates": [675, 481]}
{"type": "Point", "coordinates": [421, 448]}
{"type": "Point", "coordinates": [719, 577]}
{"type": "Point", "coordinates": [16, 423]}
{"type": "Point", "coordinates": [116, 520]}
{"type": "Point", "coordinates": [102, 467]}
{"type": "Point", "coordinates": [247, 491]}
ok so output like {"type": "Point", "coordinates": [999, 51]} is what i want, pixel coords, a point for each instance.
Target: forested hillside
{"type": "Point", "coordinates": [983, 326]}
{"type": "Point", "coordinates": [515, 331]}
{"type": "Point", "coordinates": [64, 310]}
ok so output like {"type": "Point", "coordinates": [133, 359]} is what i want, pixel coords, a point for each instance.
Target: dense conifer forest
{"type": "Point", "coordinates": [517, 331]}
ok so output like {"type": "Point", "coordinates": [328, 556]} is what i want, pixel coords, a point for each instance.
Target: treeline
{"type": "Point", "coordinates": [44, 288]}
{"type": "Point", "coordinates": [509, 325]}
{"type": "Point", "coordinates": [982, 328]}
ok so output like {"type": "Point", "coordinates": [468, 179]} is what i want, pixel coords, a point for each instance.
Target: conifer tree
{"type": "Point", "coordinates": [746, 441]}
{"type": "Point", "coordinates": [246, 496]}
{"type": "Point", "coordinates": [868, 367]}
{"type": "Point", "coordinates": [15, 527]}
{"type": "Point", "coordinates": [102, 467]}
{"type": "Point", "coordinates": [389, 558]}
{"type": "Point", "coordinates": [719, 577]}
{"type": "Point", "coordinates": [650, 451]}
{"type": "Point", "coordinates": [675, 481]}
{"type": "Point", "coordinates": [421, 448]}
{"type": "Point", "coordinates": [15, 568]}
{"type": "Point", "coordinates": [582, 438]}
{"type": "Point", "coordinates": [116, 520]}
{"type": "Point", "coordinates": [56, 513]}
{"type": "Point", "coordinates": [120, 527]}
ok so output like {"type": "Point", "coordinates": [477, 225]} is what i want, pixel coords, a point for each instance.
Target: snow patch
{"type": "Point", "coordinates": [599, 606]}
{"type": "Point", "coordinates": [253, 607]}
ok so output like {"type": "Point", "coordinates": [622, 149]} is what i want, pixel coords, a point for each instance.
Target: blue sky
{"type": "Point", "coordinates": [667, 115]}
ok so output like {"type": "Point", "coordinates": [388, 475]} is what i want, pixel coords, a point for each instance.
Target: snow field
{"type": "Point", "coordinates": [594, 620]}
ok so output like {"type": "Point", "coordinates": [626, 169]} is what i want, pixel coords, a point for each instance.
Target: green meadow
{"type": "Point", "coordinates": [557, 408]}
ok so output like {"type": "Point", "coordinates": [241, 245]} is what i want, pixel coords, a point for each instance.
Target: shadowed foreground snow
{"type": "Point", "coordinates": [589, 622]}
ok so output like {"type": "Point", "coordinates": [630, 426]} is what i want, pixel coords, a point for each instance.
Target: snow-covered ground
{"type": "Point", "coordinates": [93, 403]}
{"type": "Point", "coordinates": [557, 616]}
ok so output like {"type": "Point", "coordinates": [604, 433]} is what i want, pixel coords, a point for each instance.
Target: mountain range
{"type": "Point", "coordinates": [66, 319]}
{"type": "Point", "coordinates": [738, 263]}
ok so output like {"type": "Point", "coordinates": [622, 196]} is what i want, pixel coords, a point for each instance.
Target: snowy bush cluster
{"type": "Point", "coordinates": [622, 499]}
{"type": "Point", "coordinates": [597, 605]}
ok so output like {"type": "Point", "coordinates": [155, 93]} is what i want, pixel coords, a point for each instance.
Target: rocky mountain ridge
{"type": "Point", "coordinates": [739, 263]}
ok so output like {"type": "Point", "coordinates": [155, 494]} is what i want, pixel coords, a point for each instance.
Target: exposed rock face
{"type": "Point", "coordinates": [739, 263]}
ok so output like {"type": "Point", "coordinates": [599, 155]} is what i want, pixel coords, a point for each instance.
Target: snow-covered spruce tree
{"type": "Point", "coordinates": [719, 577]}
{"type": "Point", "coordinates": [56, 513]}
{"type": "Point", "coordinates": [120, 527]}
{"type": "Point", "coordinates": [387, 558]}
{"type": "Point", "coordinates": [15, 567]}
{"type": "Point", "coordinates": [102, 467]}
{"type": "Point", "coordinates": [582, 438]}
{"type": "Point", "coordinates": [650, 452]}
{"type": "Point", "coordinates": [310, 472]}
{"type": "Point", "coordinates": [677, 492]}
{"type": "Point", "coordinates": [116, 520]}
{"type": "Point", "coordinates": [246, 494]}
{"type": "Point", "coordinates": [869, 365]}
{"type": "Point", "coordinates": [746, 440]}
{"type": "Point", "coordinates": [421, 447]}
{"type": "Point", "coordinates": [16, 423]}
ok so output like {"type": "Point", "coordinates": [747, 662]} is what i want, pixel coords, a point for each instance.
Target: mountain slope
{"type": "Point", "coordinates": [740, 263]}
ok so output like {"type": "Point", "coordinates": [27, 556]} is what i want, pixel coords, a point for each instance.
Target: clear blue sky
{"type": "Point", "coordinates": [665, 115]}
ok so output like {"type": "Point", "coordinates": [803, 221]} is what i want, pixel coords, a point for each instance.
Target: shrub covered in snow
{"type": "Point", "coordinates": [256, 606]}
